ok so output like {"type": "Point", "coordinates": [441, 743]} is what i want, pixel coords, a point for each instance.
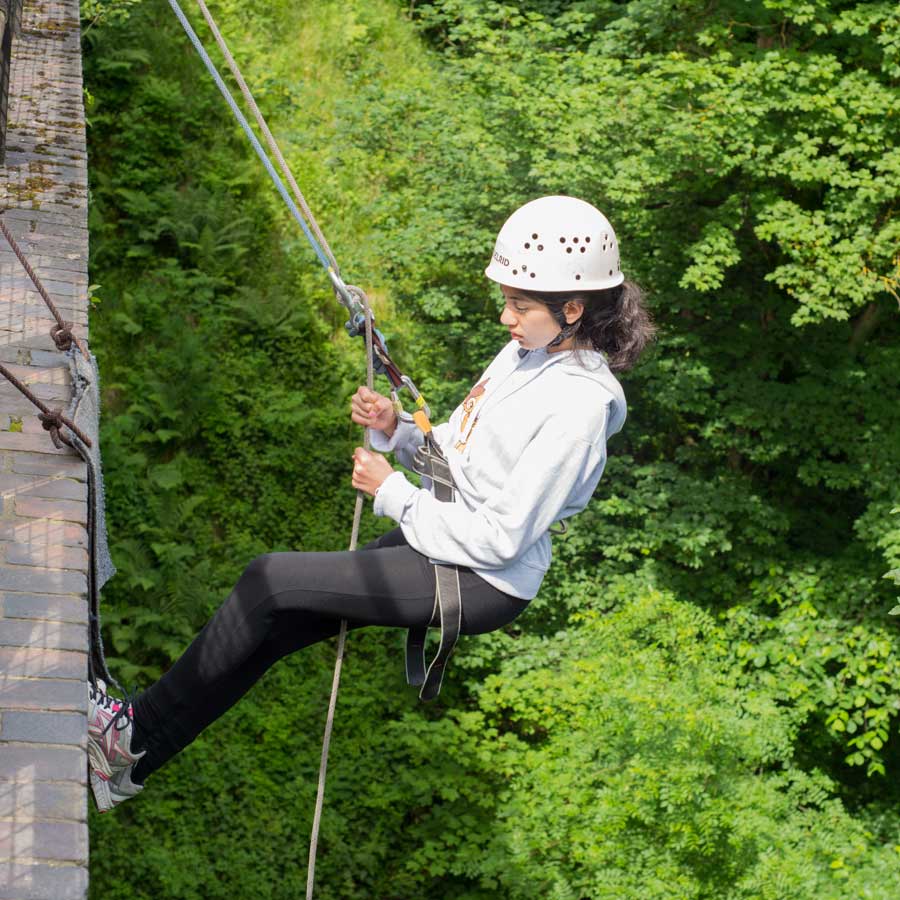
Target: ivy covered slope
{"type": "Point", "coordinates": [703, 701]}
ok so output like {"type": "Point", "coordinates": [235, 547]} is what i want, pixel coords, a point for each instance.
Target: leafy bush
{"type": "Point", "coordinates": [702, 701]}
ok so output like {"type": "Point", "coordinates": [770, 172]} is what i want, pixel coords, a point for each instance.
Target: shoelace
{"type": "Point", "coordinates": [101, 698]}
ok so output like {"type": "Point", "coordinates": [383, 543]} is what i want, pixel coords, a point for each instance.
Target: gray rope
{"type": "Point", "coordinates": [342, 635]}
{"type": "Point", "coordinates": [264, 128]}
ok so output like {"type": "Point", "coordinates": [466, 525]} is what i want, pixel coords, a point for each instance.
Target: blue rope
{"type": "Point", "coordinates": [260, 152]}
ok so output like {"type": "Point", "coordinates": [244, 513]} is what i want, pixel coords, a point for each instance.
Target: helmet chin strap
{"type": "Point", "coordinates": [566, 330]}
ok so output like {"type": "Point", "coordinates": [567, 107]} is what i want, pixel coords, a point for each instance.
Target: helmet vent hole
{"type": "Point", "coordinates": [587, 240]}
{"type": "Point", "coordinates": [515, 271]}
{"type": "Point", "coordinates": [583, 249]}
{"type": "Point", "coordinates": [534, 237]}
{"type": "Point", "coordinates": [610, 271]}
{"type": "Point", "coordinates": [532, 274]}
{"type": "Point", "coordinates": [562, 240]}
{"type": "Point", "coordinates": [604, 246]}
{"type": "Point", "coordinates": [605, 237]}
{"type": "Point", "coordinates": [527, 245]}
{"type": "Point", "coordinates": [578, 278]}
{"type": "Point", "coordinates": [525, 269]}
{"type": "Point", "coordinates": [540, 246]}
{"type": "Point", "coordinates": [574, 240]}
{"type": "Point", "coordinates": [568, 249]}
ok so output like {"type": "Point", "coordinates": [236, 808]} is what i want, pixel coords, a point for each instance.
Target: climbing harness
{"type": "Point", "coordinates": [430, 461]}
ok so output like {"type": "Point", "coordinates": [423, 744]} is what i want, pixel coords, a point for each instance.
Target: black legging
{"type": "Point", "coordinates": [282, 603]}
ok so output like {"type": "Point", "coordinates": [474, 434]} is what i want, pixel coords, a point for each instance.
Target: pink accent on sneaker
{"type": "Point", "coordinates": [109, 732]}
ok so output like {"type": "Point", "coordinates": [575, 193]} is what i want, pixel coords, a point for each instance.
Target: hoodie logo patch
{"type": "Point", "coordinates": [469, 416]}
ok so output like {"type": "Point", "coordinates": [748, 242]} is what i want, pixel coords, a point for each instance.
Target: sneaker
{"type": "Point", "coordinates": [109, 732]}
{"type": "Point", "coordinates": [111, 790]}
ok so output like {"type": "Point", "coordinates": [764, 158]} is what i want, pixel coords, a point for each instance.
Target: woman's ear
{"type": "Point", "coordinates": [573, 311]}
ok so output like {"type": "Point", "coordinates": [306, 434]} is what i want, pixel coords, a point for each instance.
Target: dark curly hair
{"type": "Point", "coordinates": [615, 321]}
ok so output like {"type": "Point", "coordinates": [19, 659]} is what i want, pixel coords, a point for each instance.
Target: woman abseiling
{"type": "Point", "coordinates": [526, 448]}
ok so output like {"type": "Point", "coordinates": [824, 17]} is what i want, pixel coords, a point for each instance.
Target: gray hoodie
{"type": "Point", "coordinates": [526, 448]}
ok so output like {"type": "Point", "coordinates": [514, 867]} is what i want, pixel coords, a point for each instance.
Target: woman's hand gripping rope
{"type": "Point", "coordinates": [372, 410]}
{"type": "Point", "coordinates": [369, 470]}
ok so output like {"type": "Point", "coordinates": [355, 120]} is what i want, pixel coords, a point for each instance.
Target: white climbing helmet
{"type": "Point", "coordinates": [556, 244]}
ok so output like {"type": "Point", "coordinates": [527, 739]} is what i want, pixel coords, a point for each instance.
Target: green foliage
{"type": "Point", "coordinates": [636, 764]}
{"type": "Point", "coordinates": [702, 701]}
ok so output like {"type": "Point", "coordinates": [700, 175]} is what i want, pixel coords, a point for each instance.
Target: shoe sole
{"type": "Point", "coordinates": [102, 794]}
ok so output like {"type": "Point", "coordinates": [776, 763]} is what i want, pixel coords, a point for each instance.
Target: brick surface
{"type": "Point", "coordinates": [43, 840]}
{"type": "Point", "coordinates": [50, 556]}
{"type": "Point", "coordinates": [50, 392]}
{"type": "Point", "coordinates": [43, 609]}
{"type": "Point", "coordinates": [26, 464]}
{"type": "Point", "coordinates": [34, 662]}
{"type": "Point", "coordinates": [36, 633]}
{"type": "Point", "coordinates": [43, 727]}
{"type": "Point", "coordinates": [14, 440]}
{"type": "Point", "coordinates": [27, 763]}
{"type": "Point", "coordinates": [41, 508]}
{"type": "Point", "coordinates": [42, 800]}
{"type": "Point", "coordinates": [58, 608]}
{"type": "Point", "coordinates": [46, 581]}
{"type": "Point", "coordinates": [43, 531]}
{"type": "Point", "coordinates": [49, 485]}
{"type": "Point", "coordinates": [24, 881]}
{"type": "Point", "coordinates": [56, 374]}
{"type": "Point", "coordinates": [43, 694]}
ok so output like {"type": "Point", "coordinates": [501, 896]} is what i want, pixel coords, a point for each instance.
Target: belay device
{"type": "Point", "coordinates": [430, 462]}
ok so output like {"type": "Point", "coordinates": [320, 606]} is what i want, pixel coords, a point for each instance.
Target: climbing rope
{"type": "Point", "coordinates": [359, 308]}
{"type": "Point", "coordinates": [264, 128]}
{"type": "Point", "coordinates": [341, 289]}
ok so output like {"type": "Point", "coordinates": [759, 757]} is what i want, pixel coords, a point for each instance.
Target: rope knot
{"type": "Point", "coordinates": [62, 335]}
{"type": "Point", "coordinates": [53, 422]}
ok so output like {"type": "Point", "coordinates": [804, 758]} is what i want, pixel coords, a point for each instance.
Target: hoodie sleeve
{"type": "Point", "coordinates": [404, 442]}
{"type": "Point", "coordinates": [553, 467]}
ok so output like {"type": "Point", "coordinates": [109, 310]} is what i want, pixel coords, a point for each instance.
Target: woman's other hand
{"type": "Point", "coordinates": [369, 470]}
{"type": "Point", "coordinates": [372, 410]}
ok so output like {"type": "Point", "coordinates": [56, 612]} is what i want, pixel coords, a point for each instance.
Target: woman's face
{"type": "Point", "coordinates": [530, 322]}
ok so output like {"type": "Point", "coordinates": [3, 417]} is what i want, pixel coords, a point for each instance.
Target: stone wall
{"type": "Point", "coordinates": [43, 538]}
